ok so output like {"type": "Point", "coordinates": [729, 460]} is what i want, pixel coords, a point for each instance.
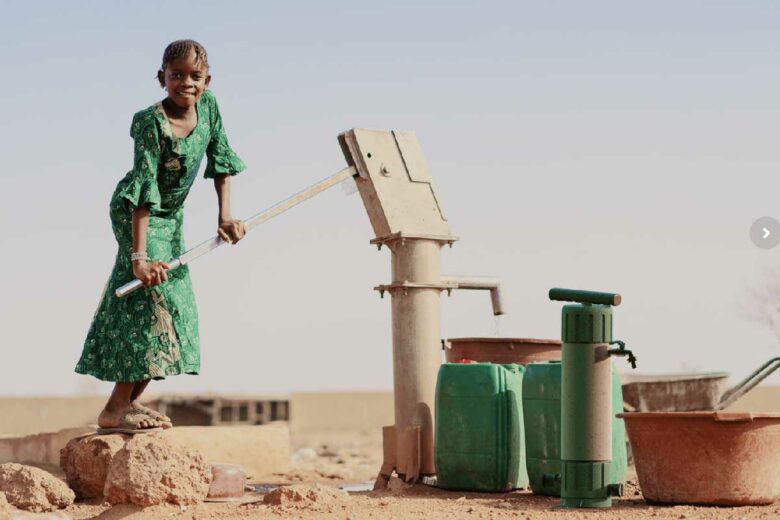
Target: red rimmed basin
{"type": "Point", "coordinates": [714, 458]}
{"type": "Point", "coordinates": [503, 351]}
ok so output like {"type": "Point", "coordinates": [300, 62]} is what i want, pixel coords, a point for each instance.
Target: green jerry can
{"type": "Point", "coordinates": [479, 427]}
{"type": "Point", "coordinates": [542, 414]}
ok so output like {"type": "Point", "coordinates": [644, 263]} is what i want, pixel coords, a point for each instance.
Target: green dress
{"type": "Point", "coordinates": [153, 332]}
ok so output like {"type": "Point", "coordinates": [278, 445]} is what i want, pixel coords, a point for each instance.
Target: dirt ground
{"type": "Point", "coordinates": [335, 461]}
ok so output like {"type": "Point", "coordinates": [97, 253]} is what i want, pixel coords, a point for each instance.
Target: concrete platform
{"type": "Point", "coordinates": [42, 449]}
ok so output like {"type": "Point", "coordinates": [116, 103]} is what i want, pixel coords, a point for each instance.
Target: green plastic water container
{"type": "Point", "coordinates": [479, 427]}
{"type": "Point", "coordinates": [542, 413]}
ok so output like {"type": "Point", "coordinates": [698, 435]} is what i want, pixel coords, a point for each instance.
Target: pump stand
{"type": "Point", "coordinates": [407, 217]}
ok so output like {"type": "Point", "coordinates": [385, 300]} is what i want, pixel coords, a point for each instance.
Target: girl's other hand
{"type": "Point", "coordinates": [151, 273]}
{"type": "Point", "coordinates": [231, 230]}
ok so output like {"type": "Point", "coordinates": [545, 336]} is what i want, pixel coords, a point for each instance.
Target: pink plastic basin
{"type": "Point", "coordinates": [227, 482]}
{"type": "Point", "coordinates": [717, 458]}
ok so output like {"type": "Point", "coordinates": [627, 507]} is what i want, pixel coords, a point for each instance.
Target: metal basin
{"type": "Point", "coordinates": [715, 458]}
{"type": "Point", "coordinates": [505, 351]}
{"type": "Point", "coordinates": [673, 393]}
{"type": "Point", "coordinates": [689, 392]}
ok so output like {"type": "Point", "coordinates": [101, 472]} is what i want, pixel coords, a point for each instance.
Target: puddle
{"type": "Point", "coordinates": [361, 486]}
{"type": "Point", "coordinates": [263, 488]}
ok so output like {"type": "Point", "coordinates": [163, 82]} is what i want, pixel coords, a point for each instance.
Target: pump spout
{"type": "Point", "coordinates": [478, 283]}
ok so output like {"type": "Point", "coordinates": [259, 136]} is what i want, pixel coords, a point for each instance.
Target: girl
{"type": "Point", "coordinates": [153, 333]}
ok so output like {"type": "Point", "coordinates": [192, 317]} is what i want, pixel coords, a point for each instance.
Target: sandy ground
{"type": "Point", "coordinates": [355, 459]}
{"type": "Point", "coordinates": [338, 459]}
{"type": "Point", "coordinates": [422, 504]}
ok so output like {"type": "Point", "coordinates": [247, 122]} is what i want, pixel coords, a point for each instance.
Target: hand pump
{"type": "Point", "coordinates": [586, 397]}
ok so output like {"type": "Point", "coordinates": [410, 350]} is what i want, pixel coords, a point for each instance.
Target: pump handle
{"type": "Point", "coordinates": [578, 296]}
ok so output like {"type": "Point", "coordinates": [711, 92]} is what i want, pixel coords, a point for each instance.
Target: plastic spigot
{"type": "Point", "coordinates": [622, 351]}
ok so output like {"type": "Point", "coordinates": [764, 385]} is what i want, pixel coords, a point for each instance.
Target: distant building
{"type": "Point", "coordinates": [222, 410]}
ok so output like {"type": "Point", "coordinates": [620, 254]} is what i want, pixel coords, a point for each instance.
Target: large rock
{"type": "Point", "coordinates": [33, 489]}
{"type": "Point", "coordinates": [263, 451]}
{"type": "Point", "coordinates": [150, 470]}
{"type": "Point", "coordinates": [86, 459]}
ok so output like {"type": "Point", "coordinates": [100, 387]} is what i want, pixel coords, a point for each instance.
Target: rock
{"type": "Point", "coordinates": [86, 459]}
{"type": "Point", "coordinates": [33, 489]}
{"type": "Point", "coordinates": [397, 486]}
{"type": "Point", "coordinates": [304, 454]}
{"type": "Point", "coordinates": [328, 451]}
{"type": "Point", "coordinates": [4, 505]}
{"type": "Point", "coordinates": [150, 470]}
{"type": "Point", "coordinates": [303, 494]}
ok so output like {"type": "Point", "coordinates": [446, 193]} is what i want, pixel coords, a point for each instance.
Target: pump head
{"type": "Point", "coordinates": [585, 297]}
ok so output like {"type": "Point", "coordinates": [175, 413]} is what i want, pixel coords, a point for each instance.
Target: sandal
{"type": "Point", "coordinates": [130, 424]}
{"type": "Point", "coordinates": [157, 416]}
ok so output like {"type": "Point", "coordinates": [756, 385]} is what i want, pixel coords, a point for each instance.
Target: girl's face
{"type": "Point", "coordinates": [186, 80]}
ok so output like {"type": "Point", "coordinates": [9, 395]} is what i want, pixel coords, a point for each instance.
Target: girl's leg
{"type": "Point", "coordinates": [138, 389]}
{"type": "Point", "coordinates": [117, 407]}
{"type": "Point", "coordinates": [135, 402]}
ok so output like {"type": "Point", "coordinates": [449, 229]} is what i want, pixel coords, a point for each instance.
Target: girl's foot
{"type": "Point", "coordinates": [122, 417]}
{"type": "Point", "coordinates": [163, 420]}
{"type": "Point", "coordinates": [129, 424]}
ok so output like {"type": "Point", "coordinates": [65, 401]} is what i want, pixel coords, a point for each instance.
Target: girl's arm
{"type": "Point", "coordinates": [150, 273]}
{"type": "Point", "coordinates": [230, 229]}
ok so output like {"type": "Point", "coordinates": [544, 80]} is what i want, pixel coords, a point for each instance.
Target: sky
{"type": "Point", "coordinates": [616, 146]}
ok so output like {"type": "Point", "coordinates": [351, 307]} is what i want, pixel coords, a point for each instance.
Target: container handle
{"type": "Point", "coordinates": [747, 384]}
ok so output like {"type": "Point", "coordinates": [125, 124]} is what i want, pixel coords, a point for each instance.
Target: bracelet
{"type": "Point", "coordinates": [141, 255]}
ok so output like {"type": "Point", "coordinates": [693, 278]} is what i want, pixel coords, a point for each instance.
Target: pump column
{"type": "Point", "coordinates": [415, 291]}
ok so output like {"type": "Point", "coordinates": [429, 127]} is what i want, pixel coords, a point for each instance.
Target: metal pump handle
{"type": "Point", "coordinates": [578, 296]}
{"type": "Point", "coordinates": [278, 208]}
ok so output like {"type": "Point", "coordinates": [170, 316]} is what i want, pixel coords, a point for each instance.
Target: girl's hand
{"type": "Point", "coordinates": [150, 273]}
{"type": "Point", "coordinates": [231, 230]}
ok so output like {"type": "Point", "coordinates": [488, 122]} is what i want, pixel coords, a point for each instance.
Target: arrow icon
{"type": "Point", "coordinates": [765, 233]}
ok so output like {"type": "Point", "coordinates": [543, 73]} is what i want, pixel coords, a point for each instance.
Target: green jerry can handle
{"type": "Point", "coordinates": [578, 296]}
{"type": "Point", "coordinates": [622, 351]}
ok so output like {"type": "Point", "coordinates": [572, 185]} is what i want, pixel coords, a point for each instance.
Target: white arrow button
{"type": "Point", "coordinates": [765, 233]}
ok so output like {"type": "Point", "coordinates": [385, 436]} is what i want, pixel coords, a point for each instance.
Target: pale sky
{"type": "Point", "coordinates": [619, 146]}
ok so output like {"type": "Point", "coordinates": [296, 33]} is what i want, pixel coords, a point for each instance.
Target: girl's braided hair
{"type": "Point", "coordinates": [178, 49]}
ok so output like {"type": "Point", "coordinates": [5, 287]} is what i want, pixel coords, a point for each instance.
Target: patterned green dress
{"type": "Point", "coordinates": [153, 332]}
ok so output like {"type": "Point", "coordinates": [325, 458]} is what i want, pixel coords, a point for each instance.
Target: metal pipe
{"type": "Point", "coordinates": [253, 221]}
{"type": "Point", "coordinates": [416, 355]}
{"type": "Point", "coordinates": [479, 283]}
